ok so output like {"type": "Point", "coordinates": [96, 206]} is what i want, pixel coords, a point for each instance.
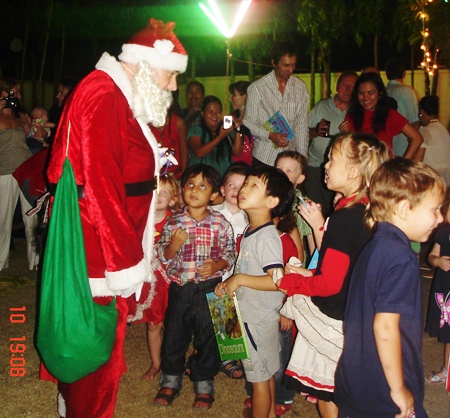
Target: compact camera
{"type": "Point", "coordinates": [11, 101]}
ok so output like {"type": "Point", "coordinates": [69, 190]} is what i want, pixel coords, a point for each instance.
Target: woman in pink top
{"type": "Point", "coordinates": [372, 111]}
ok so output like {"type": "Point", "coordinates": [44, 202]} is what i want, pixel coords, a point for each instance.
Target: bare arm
{"type": "Point", "coordinates": [420, 154]}
{"type": "Point", "coordinates": [415, 140]}
{"type": "Point", "coordinates": [201, 150]}
{"type": "Point", "coordinates": [313, 215]}
{"type": "Point", "coordinates": [237, 145]}
{"type": "Point", "coordinates": [295, 235]}
{"type": "Point", "coordinates": [253, 282]}
{"type": "Point", "coordinates": [386, 328]}
{"type": "Point", "coordinates": [436, 260]}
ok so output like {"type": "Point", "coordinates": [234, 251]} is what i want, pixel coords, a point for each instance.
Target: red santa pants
{"type": "Point", "coordinates": [95, 395]}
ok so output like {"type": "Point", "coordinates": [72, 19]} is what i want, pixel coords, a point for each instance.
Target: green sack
{"type": "Point", "coordinates": [75, 335]}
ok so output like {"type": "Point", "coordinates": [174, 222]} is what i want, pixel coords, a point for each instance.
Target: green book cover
{"type": "Point", "coordinates": [228, 327]}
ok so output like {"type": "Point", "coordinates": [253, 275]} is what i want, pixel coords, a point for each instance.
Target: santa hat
{"type": "Point", "coordinates": [157, 45]}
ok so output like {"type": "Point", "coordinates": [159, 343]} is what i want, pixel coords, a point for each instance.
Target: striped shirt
{"type": "Point", "coordinates": [212, 237]}
{"type": "Point", "coordinates": [264, 99]}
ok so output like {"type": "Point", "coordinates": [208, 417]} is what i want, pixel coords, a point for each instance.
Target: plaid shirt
{"type": "Point", "coordinates": [210, 238]}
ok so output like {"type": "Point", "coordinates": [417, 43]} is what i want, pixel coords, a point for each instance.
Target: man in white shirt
{"type": "Point", "coordinates": [278, 91]}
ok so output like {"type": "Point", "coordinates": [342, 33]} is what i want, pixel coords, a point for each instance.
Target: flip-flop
{"type": "Point", "coordinates": [167, 398]}
{"type": "Point", "coordinates": [203, 401]}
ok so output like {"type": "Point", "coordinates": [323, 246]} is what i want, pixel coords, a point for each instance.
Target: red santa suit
{"type": "Point", "coordinates": [108, 149]}
{"type": "Point", "coordinates": [114, 158]}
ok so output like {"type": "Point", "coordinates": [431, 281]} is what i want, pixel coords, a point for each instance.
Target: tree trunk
{"type": "Point", "coordinates": [328, 70]}
{"type": "Point", "coordinates": [24, 50]}
{"type": "Point", "coordinates": [251, 68]}
{"type": "Point", "coordinates": [412, 66]}
{"type": "Point", "coordinates": [61, 61]}
{"type": "Point", "coordinates": [434, 83]}
{"type": "Point", "coordinates": [375, 51]}
{"type": "Point", "coordinates": [427, 83]}
{"type": "Point", "coordinates": [312, 96]}
{"type": "Point", "coordinates": [44, 53]}
{"type": "Point", "coordinates": [193, 63]}
{"type": "Point", "coordinates": [325, 59]}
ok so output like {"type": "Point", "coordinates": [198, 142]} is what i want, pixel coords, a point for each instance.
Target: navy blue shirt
{"type": "Point", "coordinates": [385, 279]}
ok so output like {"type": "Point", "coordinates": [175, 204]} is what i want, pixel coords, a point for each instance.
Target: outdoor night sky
{"type": "Point", "coordinates": [94, 26]}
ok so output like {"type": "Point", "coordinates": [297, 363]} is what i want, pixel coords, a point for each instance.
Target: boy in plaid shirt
{"type": "Point", "coordinates": [197, 247]}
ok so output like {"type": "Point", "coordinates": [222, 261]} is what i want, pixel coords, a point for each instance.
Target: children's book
{"type": "Point", "coordinates": [228, 327]}
{"type": "Point", "coordinates": [278, 123]}
{"type": "Point", "coordinates": [314, 260]}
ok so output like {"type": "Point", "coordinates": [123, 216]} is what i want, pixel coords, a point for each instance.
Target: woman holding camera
{"type": "Point", "coordinates": [14, 128]}
{"type": "Point", "coordinates": [210, 143]}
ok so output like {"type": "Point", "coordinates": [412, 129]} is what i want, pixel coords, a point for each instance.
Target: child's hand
{"type": "Point", "coordinates": [443, 262]}
{"type": "Point", "coordinates": [285, 323]}
{"type": "Point", "coordinates": [405, 401]}
{"type": "Point", "coordinates": [289, 268]}
{"type": "Point", "coordinates": [219, 290]}
{"type": "Point", "coordinates": [312, 214]}
{"type": "Point", "coordinates": [179, 237]}
{"type": "Point", "coordinates": [48, 125]}
{"type": "Point", "coordinates": [208, 268]}
{"type": "Point", "coordinates": [231, 285]}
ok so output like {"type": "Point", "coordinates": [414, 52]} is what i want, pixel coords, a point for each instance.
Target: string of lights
{"type": "Point", "coordinates": [429, 63]}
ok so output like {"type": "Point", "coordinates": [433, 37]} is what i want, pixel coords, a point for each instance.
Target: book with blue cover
{"type": "Point", "coordinates": [228, 327]}
{"type": "Point", "coordinates": [314, 260]}
{"type": "Point", "coordinates": [278, 123]}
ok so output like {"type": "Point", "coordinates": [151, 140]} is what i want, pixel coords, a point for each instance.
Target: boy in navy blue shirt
{"type": "Point", "coordinates": [380, 371]}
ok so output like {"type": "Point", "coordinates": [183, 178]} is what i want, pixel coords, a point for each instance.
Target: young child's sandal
{"type": "Point", "coordinates": [203, 401]}
{"type": "Point", "coordinates": [437, 378]}
{"type": "Point", "coordinates": [232, 369]}
{"type": "Point", "coordinates": [166, 396]}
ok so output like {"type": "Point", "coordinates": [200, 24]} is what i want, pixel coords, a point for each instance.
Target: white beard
{"type": "Point", "coordinates": [150, 102]}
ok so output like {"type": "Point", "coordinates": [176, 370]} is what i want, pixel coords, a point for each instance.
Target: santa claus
{"type": "Point", "coordinates": [116, 160]}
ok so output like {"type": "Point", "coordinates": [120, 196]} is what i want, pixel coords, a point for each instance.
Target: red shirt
{"type": "Point", "coordinates": [394, 125]}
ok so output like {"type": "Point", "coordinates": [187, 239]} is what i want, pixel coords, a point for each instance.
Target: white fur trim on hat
{"type": "Point", "coordinates": [161, 56]}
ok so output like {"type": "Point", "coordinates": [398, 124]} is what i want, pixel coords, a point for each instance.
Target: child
{"type": "Point", "coordinates": [380, 372]}
{"type": "Point", "coordinates": [293, 164]}
{"type": "Point", "coordinates": [197, 246]}
{"type": "Point", "coordinates": [320, 294]}
{"type": "Point", "coordinates": [231, 184]}
{"type": "Point", "coordinates": [284, 396]}
{"type": "Point", "coordinates": [39, 119]}
{"type": "Point", "coordinates": [154, 314]}
{"type": "Point", "coordinates": [438, 322]}
{"type": "Point", "coordinates": [266, 194]}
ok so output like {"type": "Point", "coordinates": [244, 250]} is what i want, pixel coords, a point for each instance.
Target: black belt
{"type": "Point", "coordinates": [140, 188]}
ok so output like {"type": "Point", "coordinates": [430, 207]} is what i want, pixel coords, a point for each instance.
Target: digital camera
{"type": "Point", "coordinates": [11, 101]}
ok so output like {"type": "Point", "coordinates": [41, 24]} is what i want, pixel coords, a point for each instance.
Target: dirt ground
{"type": "Point", "coordinates": [26, 396]}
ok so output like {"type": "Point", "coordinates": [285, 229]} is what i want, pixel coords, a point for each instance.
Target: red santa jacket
{"type": "Point", "coordinates": [109, 149]}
